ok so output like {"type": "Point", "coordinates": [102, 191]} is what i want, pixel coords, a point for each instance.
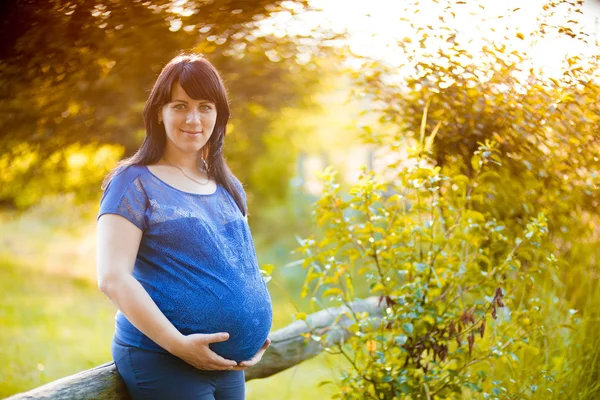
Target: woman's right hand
{"type": "Point", "coordinates": [194, 350]}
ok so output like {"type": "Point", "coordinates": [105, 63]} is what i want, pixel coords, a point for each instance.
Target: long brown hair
{"type": "Point", "coordinates": [200, 80]}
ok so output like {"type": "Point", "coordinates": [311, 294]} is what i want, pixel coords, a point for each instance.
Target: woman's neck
{"type": "Point", "coordinates": [187, 161]}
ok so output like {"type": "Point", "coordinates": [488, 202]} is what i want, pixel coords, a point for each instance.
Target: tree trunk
{"type": "Point", "coordinates": [288, 348]}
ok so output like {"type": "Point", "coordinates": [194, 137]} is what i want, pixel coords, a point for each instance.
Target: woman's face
{"type": "Point", "coordinates": [189, 123]}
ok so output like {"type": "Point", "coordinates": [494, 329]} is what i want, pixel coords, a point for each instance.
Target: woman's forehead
{"type": "Point", "coordinates": [178, 93]}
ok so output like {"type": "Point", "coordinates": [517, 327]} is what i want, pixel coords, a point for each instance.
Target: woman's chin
{"type": "Point", "coordinates": [190, 147]}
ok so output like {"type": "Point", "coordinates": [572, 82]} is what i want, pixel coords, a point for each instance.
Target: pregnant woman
{"type": "Point", "coordinates": [175, 252]}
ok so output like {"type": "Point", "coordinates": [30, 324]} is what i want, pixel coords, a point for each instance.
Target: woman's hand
{"type": "Point", "coordinates": [254, 360]}
{"type": "Point", "coordinates": [194, 350]}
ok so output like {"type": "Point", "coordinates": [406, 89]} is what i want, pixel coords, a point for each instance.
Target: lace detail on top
{"type": "Point", "coordinates": [196, 260]}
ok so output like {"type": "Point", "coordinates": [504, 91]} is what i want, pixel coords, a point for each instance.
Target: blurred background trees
{"type": "Point", "coordinates": [74, 76]}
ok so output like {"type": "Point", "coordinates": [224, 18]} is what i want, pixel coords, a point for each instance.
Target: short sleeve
{"type": "Point", "coordinates": [125, 196]}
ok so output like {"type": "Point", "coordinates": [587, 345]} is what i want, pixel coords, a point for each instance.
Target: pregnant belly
{"type": "Point", "coordinates": [248, 330]}
{"type": "Point", "coordinates": [245, 312]}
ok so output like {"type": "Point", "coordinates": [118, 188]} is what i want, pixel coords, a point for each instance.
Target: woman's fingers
{"type": "Point", "coordinates": [219, 367]}
{"type": "Point", "coordinates": [212, 361]}
{"type": "Point", "coordinates": [222, 362]}
{"type": "Point", "coordinates": [219, 363]}
{"type": "Point", "coordinates": [216, 337]}
{"type": "Point", "coordinates": [254, 360]}
{"type": "Point", "coordinates": [218, 359]}
{"type": "Point", "coordinates": [258, 356]}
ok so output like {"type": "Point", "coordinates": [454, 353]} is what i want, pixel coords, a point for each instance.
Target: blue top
{"type": "Point", "coordinates": [196, 260]}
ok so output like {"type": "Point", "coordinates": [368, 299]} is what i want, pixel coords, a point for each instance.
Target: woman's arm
{"type": "Point", "coordinates": [118, 241]}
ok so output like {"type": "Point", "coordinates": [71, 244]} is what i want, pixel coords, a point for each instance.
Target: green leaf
{"type": "Point", "coordinates": [377, 287]}
{"type": "Point", "coordinates": [533, 388]}
{"type": "Point", "coordinates": [401, 339]}
{"type": "Point", "coordinates": [406, 389]}
{"type": "Point", "coordinates": [408, 328]}
{"type": "Point", "coordinates": [420, 267]}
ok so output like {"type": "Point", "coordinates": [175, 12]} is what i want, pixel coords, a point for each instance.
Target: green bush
{"type": "Point", "coordinates": [462, 311]}
{"type": "Point", "coordinates": [499, 203]}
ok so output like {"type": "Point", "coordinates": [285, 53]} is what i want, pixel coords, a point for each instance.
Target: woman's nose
{"type": "Point", "coordinates": [193, 117]}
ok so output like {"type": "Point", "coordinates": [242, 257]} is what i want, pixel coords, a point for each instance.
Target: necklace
{"type": "Point", "coordinates": [186, 175]}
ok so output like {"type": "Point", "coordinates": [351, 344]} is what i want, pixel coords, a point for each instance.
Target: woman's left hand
{"type": "Point", "coordinates": [254, 360]}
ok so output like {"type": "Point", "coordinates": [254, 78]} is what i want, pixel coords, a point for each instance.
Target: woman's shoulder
{"type": "Point", "coordinates": [125, 195]}
{"type": "Point", "coordinates": [124, 175]}
{"type": "Point", "coordinates": [129, 172]}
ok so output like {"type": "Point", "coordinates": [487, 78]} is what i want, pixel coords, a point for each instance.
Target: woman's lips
{"type": "Point", "coordinates": [191, 132]}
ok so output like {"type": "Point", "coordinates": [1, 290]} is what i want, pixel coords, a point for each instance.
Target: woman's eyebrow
{"type": "Point", "coordinates": [201, 101]}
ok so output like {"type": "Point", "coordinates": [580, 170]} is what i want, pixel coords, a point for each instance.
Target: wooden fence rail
{"type": "Point", "coordinates": [288, 348]}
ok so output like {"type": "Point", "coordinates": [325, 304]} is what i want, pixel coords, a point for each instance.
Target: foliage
{"type": "Point", "coordinates": [546, 127]}
{"type": "Point", "coordinates": [497, 202]}
{"type": "Point", "coordinates": [84, 167]}
{"type": "Point", "coordinates": [76, 73]}
{"type": "Point", "coordinates": [445, 272]}
{"type": "Point", "coordinates": [323, 122]}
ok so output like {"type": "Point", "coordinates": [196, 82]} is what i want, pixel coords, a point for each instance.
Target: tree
{"type": "Point", "coordinates": [74, 76]}
{"type": "Point", "coordinates": [546, 126]}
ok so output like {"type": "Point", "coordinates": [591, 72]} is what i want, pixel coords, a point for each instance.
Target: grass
{"type": "Point", "coordinates": [51, 327]}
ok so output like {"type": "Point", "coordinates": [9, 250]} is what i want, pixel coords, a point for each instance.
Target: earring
{"type": "Point", "coordinates": [206, 168]}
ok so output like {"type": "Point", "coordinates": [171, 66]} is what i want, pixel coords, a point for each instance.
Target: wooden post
{"type": "Point", "coordinates": [288, 348]}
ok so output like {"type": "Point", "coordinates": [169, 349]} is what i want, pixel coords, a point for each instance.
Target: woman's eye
{"type": "Point", "coordinates": [203, 107]}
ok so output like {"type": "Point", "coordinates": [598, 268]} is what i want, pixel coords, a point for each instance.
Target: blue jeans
{"type": "Point", "coordinates": [151, 375]}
